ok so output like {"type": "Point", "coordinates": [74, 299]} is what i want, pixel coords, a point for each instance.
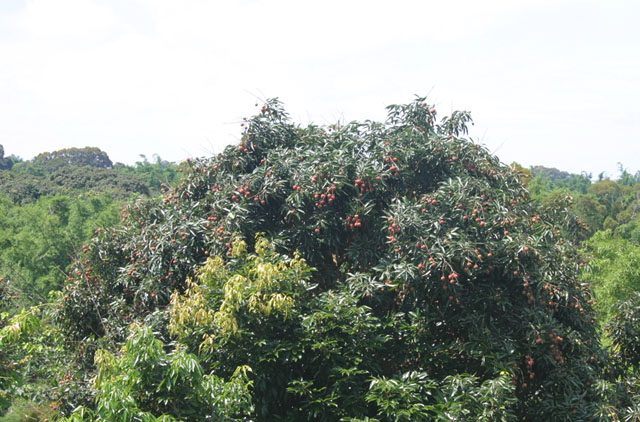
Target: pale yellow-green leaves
{"type": "Point", "coordinates": [239, 248]}
{"type": "Point", "coordinates": [212, 270]}
{"type": "Point", "coordinates": [22, 324]}
{"type": "Point", "coordinates": [188, 311]}
{"type": "Point", "coordinates": [249, 286]}
{"type": "Point", "coordinates": [262, 245]}
{"type": "Point", "coordinates": [105, 362]}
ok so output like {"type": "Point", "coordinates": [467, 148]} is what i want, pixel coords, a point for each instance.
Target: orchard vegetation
{"type": "Point", "coordinates": [369, 271]}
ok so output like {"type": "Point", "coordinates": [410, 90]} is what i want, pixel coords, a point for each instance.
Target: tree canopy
{"type": "Point", "coordinates": [369, 271]}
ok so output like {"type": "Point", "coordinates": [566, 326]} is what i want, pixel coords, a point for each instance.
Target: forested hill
{"type": "Point", "coordinates": [75, 171]}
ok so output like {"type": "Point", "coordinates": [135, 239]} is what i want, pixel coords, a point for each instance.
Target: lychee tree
{"type": "Point", "coordinates": [362, 271]}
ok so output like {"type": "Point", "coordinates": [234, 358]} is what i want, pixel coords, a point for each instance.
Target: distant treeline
{"type": "Point", "coordinates": [74, 171]}
{"type": "Point", "coordinates": [612, 204]}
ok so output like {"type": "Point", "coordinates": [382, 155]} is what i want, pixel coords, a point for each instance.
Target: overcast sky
{"type": "Point", "coordinates": [555, 83]}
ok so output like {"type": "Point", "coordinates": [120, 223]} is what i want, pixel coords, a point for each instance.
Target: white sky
{"type": "Point", "coordinates": [554, 82]}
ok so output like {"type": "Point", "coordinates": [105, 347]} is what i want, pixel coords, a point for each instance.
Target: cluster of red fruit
{"type": "Point", "coordinates": [219, 231]}
{"type": "Point", "coordinates": [393, 229]}
{"type": "Point", "coordinates": [429, 201]}
{"type": "Point", "coordinates": [323, 199]}
{"type": "Point", "coordinates": [393, 168]}
{"type": "Point", "coordinates": [453, 277]}
{"type": "Point", "coordinates": [555, 348]}
{"type": "Point", "coordinates": [527, 290]}
{"type": "Point", "coordinates": [364, 187]}
{"type": "Point", "coordinates": [353, 222]}
{"type": "Point", "coordinates": [242, 191]}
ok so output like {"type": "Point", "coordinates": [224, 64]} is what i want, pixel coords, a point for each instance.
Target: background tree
{"type": "Point", "coordinates": [87, 156]}
{"type": "Point", "coordinates": [5, 163]}
{"type": "Point", "coordinates": [119, 185]}
{"type": "Point", "coordinates": [558, 179]}
{"type": "Point", "coordinates": [626, 178]}
{"type": "Point", "coordinates": [605, 204]}
{"type": "Point", "coordinates": [155, 175]}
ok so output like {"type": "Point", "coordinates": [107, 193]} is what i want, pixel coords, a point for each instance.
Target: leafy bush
{"type": "Point", "coordinates": [24, 411]}
{"type": "Point", "coordinates": [146, 377]}
{"type": "Point", "coordinates": [34, 365]}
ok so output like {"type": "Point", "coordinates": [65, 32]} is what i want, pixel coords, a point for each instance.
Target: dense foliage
{"type": "Point", "coordinates": [610, 210]}
{"type": "Point", "coordinates": [402, 273]}
{"type": "Point", "coordinates": [34, 365]}
{"type": "Point", "coordinates": [38, 242]}
{"type": "Point", "coordinates": [614, 271]}
{"type": "Point", "coordinates": [154, 174]}
{"type": "Point", "coordinates": [605, 204]}
{"type": "Point", "coordinates": [371, 271]}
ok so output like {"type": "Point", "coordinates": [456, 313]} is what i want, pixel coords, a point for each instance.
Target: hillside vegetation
{"type": "Point", "coordinates": [50, 206]}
